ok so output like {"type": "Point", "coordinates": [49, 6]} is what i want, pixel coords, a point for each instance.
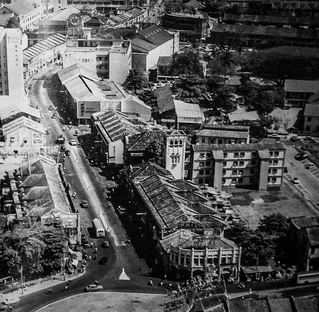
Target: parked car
{"type": "Point", "coordinates": [309, 165]}
{"type": "Point", "coordinates": [103, 260]}
{"type": "Point", "coordinates": [93, 287]}
{"type": "Point", "coordinates": [73, 142]}
{"type": "Point", "coordinates": [67, 153]}
{"type": "Point", "coordinates": [76, 132]}
{"type": "Point", "coordinates": [295, 181]}
{"type": "Point", "coordinates": [301, 156]}
{"type": "Point", "coordinates": [106, 244]}
{"type": "Point", "coordinates": [84, 204]}
{"type": "Point", "coordinates": [121, 210]}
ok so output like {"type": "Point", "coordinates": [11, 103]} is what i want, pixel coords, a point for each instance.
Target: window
{"type": "Point", "coordinates": [200, 181]}
{"type": "Point", "coordinates": [308, 118]}
{"type": "Point", "coordinates": [233, 181]}
{"type": "Point", "coordinates": [201, 155]}
{"type": "Point", "coordinates": [241, 163]}
{"type": "Point", "coordinates": [251, 180]}
{"type": "Point", "coordinates": [270, 162]}
{"type": "Point", "coordinates": [208, 163]}
{"type": "Point", "coordinates": [220, 141]}
{"type": "Point", "coordinates": [240, 180]}
{"type": "Point", "coordinates": [207, 172]}
{"type": "Point", "coordinates": [223, 181]}
{"type": "Point", "coordinates": [224, 163]}
{"type": "Point", "coordinates": [225, 155]}
{"type": "Point", "coordinates": [241, 172]}
{"type": "Point", "coordinates": [211, 141]}
{"type": "Point", "coordinates": [203, 140]}
{"type": "Point", "coordinates": [224, 172]}
{"type": "Point", "coordinates": [234, 172]}
{"type": "Point", "coordinates": [276, 154]}
{"type": "Point", "coordinates": [242, 154]}
{"type": "Point", "coordinates": [271, 154]}
{"type": "Point", "coordinates": [275, 162]}
{"type": "Point", "coordinates": [235, 163]}
{"type": "Point", "coordinates": [273, 180]}
{"type": "Point", "coordinates": [236, 154]}
{"type": "Point", "coordinates": [208, 155]}
{"type": "Point", "coordinates": [274, 171]}
{"type": "Point", "coordinates": [253, 162]}
{"type": "Point", "coordinates": [252, 171]}
{"type": "Point", "coordinates": [202, 164]}
{"type": "Point", "coordinates": [201, 172]}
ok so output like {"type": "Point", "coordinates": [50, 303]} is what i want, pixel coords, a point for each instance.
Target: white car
{"type": "Point", "coordinates": [93, 287]}
{"type": "Point", "coordinates": [73, 143]}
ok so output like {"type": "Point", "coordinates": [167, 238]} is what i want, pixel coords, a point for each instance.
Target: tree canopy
{"type": "Point", "coordinates": [135, 80]}
{"type": "Point", "coordinates": [186, 63]}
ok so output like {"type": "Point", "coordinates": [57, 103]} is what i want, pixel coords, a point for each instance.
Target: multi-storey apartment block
{"type": "Point", "coordinates": [258, 165]}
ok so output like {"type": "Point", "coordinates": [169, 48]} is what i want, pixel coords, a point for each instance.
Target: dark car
{"type": "Point", "coordinates": [301, 156]}
{"type": "Point", "coordinates": [67, 153]}
{"type": "Point", "coordinates": [84, 204]}
{"type": "Point", "coordinates": [103, 260]}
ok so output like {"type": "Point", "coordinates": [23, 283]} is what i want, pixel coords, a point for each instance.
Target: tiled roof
{"type": "Point", "coordinates": [150, 168]}
{"type": "Point", "coordinates": [222, 134]}
{"type": "Point", "coordinates": [309, 86]}
{"type": "Point", "coordinates": [111, 125]}
{"type": "Point", "coordinates": [142, 141]}
{"type": "Point", "coordinates": [43, 46]}
{"type": "Point", "coordinates": [312, 110]}
{"type": "Point", "coordinates": [21, 7]}
{"type": "Point", "coordinates": [225, 127]}
{"type": "Point", "coordinates": [305, 222]}
{"type": "Point", "coordinates": [238, 147]}
{"type": "Point", "coordinates": [165, 100]}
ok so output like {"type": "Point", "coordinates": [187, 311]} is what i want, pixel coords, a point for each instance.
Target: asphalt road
{"type": "Point", "coordinates": [89, 185]}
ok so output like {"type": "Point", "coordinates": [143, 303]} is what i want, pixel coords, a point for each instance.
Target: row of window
{"type": "Point", "coordinates": [221, 141]}
{"type": "Point", "coordinates": [175, 142]}
{"type": "Point", "coordinates": [252, 180]}
{"type": "Point", "coordinates": [199, 260]}
{"type": "Point", "coordinates": [240, 154]}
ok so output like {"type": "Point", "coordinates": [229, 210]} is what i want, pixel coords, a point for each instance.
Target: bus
{"type": "Point", "coordinates": [98, 228]}
{"type": "Point", "coordinates": [306, 277]}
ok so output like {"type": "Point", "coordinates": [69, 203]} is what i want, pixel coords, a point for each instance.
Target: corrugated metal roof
{"type": "Point", "coordinates": [43, 45]}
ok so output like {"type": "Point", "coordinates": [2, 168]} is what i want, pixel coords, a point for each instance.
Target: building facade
{"type": "Point", "coordinates": [255, 165]}
{"type": "Point", "coordinates": [311, 119]}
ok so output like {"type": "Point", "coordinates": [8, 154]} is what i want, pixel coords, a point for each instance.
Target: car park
{"type": "Point", "coordinates": [104, 260]}
{"type": "Point", "coordinates": [84, 204]}
{"type": "Point", "coordinates": [301, 156]}
{"type": "Point", "coordinates": [295, 181]}
{"type": "Point", "coordinates": [106, 244]}
{"type": "Point", "coordinates": [93, 287]}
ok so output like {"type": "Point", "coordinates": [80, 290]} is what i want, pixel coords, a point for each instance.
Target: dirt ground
{"type": "Point", "coordinates": [253, 205]}
{"type": "Point", "coordinates": [108, 302]}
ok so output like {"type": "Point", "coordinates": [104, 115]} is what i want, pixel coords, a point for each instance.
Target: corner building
{"type": "Point", "coordinates": [257, 166]}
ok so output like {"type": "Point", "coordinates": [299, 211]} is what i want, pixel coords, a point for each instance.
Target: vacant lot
{"type": "Point", "coordinates": [253, 205]}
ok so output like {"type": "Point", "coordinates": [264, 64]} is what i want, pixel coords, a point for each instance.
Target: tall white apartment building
{"type": "Point", "coordinates": [11, 63]}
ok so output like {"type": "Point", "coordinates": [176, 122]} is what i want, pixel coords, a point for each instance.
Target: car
{"type": "Point", "coordinates": [62, 148]}
{"type": "Point", "coordinates": [294, 138]}
{"type": "Point", "coordinates": [84, 204]}
{"type": "Point", "coordinates": [295, 181]}
{"type": "Point", "coordinates": [104, 260]}
{"type": "Point", "coordinates": [67, 153]}
{"type": "Point", "coordinates": [106, 244]}
{"type": "Point", "coordinates": [309, 165]}
{"type": "Point", "coordinates": [76, 132]}
{"type": "Point", "coordinates": [301, 156]}
{"type": "Point", "coordinates": [122, 210]}
{"type": "Point", "coordinates": [93, 287]}
{"type": "Point", "coordinates": [73, 143]}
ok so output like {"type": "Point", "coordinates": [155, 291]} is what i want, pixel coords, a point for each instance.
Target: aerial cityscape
{"type": "Point", "coordinates": [159, 155]}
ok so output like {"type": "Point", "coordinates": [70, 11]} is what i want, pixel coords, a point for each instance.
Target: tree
{"type": "Point", "coordinates": [226, 60]}
{"type": "Point", "coordinates": [187, 63]}
{"type": "Point", "coordinates": [135, 80]}
{"type": "Point", "coordinates": [13, 22]}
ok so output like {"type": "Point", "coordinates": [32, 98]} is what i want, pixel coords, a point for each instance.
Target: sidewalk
{"type": "Point", "coordinates": [41, 284]}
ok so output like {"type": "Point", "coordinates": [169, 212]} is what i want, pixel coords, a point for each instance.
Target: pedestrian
{"type": "Point", "coordinates": [49, 291]}
{"type": "Point", "coordinates": [66, 288]}
{"type": "Point", "coordinates": [91, 245]}
{"type": "Point", "coordinates": [95, 250]}
{"type": "Point", "coordinates": [150, 283]}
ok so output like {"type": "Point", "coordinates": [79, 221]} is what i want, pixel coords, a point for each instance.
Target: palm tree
{"type": "Point", "coordinates": [226, 60]}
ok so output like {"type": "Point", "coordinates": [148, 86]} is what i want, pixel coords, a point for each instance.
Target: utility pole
{"type": "Point", "coordinates": [21, 277]}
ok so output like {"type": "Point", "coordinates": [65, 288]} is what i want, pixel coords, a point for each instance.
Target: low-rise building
{"type": "Point", "coordinates": [256, 165]}
{"type": "Point", "coordinates": [222, 134]}
{"type": "Point", "coordinates": [180, 227]}
{"type": "Point", "coordinates": [27, 14]}
{"type": "Point", "coordinates": [298, 92]}
{"type": "Point", "coordinates": [311, 119]}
